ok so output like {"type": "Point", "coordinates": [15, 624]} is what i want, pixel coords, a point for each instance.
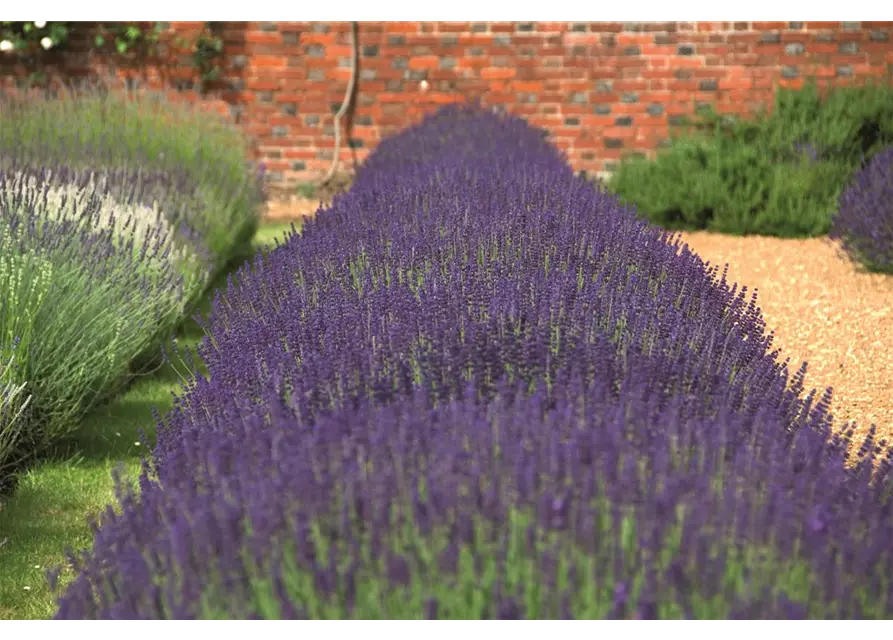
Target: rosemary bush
{"type": "Point", "coordinates": [778, 174]}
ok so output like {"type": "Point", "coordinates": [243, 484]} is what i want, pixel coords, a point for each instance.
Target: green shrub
{"type": "Point", "coordinates": [778, 174]}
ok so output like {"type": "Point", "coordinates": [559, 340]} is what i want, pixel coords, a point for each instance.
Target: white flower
{"type": "Point", "coordinates": [423, 85]}
{"type": "Point", "coordinates": [46, 42]}
{"type": "Point", "coordinates": [6, 45]}
{"type": "Point", "coordinates": [41, 24]}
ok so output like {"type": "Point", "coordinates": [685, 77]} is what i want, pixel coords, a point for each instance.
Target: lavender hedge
{"type": "Point", "coordinates": [864, 221]}
{"type": "Point", "coordinates": [476, 386]}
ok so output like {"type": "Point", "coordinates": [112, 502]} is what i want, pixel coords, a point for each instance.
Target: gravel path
{"type": "Point", "coordinates": [824, 311]}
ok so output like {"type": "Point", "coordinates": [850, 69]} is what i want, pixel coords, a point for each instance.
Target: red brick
{"type": "Point", "coordinates": [743, 38]}
{"type": "Point", "coordinates": [527, 87]}
{"type": "Point", "coordinates": [612, 154]}
{"type": "Point", "coordinates": [597, 121]}
{"type": "Point", "coordinates": [606, 27]}
{"type": "Point", "coordinates": [769, 26]}
{"type": "Point", "coordinates": [624, 133]}
{"type": "Point", "coordinates": [403, 27]}
{"type": "Point", "coordinates": [625, 39]}
{"type": "Point", "coordinates": [791, 83]}
{"type": "Point", "coordinates": [653, 74]}
{"type": "Point", "coordinates": [735, 84]}
{"type": "Point", "coordinates": [268, 61]}
{"type": "Point", "coordinates": [822, 25]}
{"type": "Point", "coordinates": [796, 36]}
{"type": "Point", "coordinates": [626, 86]}
{"type": "Point", "coordinates": [439, 98]}
{"type": "Point", "coordinates": [623, 108]}
{"type": "Point", "coordinates": [317, 38]}
{"type": "Point", "coordinates": [424, 62]}
{"type": "Point", "coordinates": [875, 47]}
{"type": "Point", "coordinates": [497, 73]}
{"type": "Point", "coordinates": [261, 85]}
{"type": "Point", "coordinates": [630, 62]}
{"type": "Point", "coordinates": [868, 70]}
{"type": "Point", "coordinates": [475, 39]}
{"type": "Point", "coordinates": [662, 97]}
{"type": "Point", "coordinates": [339, 51]}
{"type": "Point", "coordinates": [284, 121]}
{"type": "Point", "coordinates": [262, 37]}
{"type": "Point", "coordinates": [683, 85]}
{"type": "Point", "coordinates": [552, 27]}
{"type": "Point", "coordinates": [453, 27]}
{"type": "Point", "coordinates": [658, 50]}
{"type": "Point", "coordinates": [686, 62]}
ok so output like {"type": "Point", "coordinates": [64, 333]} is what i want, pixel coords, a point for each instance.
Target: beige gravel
{"type": "Point", "coordinates": [284, 209]}
{"type": "Point", "coordinates": [823, 309]}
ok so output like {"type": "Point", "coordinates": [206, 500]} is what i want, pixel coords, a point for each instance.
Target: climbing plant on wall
{"type": "Point", "coordinates": [27, 40]}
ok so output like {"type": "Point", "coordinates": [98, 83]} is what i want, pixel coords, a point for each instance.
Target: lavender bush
{"type": "Point", "coordinates": [477, 386]}
{"type": "Point", "coordinates": [85, 288]}
{"type": "Point", "coordinates": [12, 404]}
{"type": "Point", "coordinates": [113, 127]}
{"type": "Point", "coordinates": [864, 221]}
{"type": "Point", "coordinates": [144, 206]}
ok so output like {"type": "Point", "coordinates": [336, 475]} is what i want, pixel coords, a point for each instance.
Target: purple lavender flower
{"type": "Point", "coordinates": [864, 221]}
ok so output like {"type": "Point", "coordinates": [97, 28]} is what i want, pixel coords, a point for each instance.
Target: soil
{"type": "Point", "coordinates": [286, 204]}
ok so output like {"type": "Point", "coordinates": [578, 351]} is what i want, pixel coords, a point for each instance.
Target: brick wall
{"type": "Point", "coordinates": [602, 89]}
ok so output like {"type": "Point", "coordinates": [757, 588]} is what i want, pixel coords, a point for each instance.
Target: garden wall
{"type": "Point", "coordinates": [601, 89]}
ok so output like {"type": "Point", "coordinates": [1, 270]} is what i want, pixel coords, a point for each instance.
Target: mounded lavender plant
{"type": "Point", "coordinates": [145, 207]}
{"type": "Point", "coordinates": [476, 386]}
{"type": "Point", "coordinates": [116, 127]}
{"type": "Point", "coordinates": [864, 221]}
{"type": "Point", "coordinates": [83, 292]}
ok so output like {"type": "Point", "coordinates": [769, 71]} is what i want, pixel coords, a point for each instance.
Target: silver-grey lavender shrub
{"type": "Point", "coordinates": [84, 293]}
{"type": "Point", "coordinates": [12, 403]}
{"type": "Point", "coordinates": [135, 204]}
{"type": "Point", "coordinates": [864, 221]}
{"type": "Point", "coordinates": [476, 386]}
{"type": "Point", "coordinates": [110, 126]}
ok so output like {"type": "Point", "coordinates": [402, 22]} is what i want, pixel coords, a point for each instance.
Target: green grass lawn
{"type": "Point", "coordinates": [48, 512]}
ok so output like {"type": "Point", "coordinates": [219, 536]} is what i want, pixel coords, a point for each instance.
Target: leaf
{"type": "Point", "coordinates": [121, 45]}
{"type": "Point", "coordinates": [99, 40]}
